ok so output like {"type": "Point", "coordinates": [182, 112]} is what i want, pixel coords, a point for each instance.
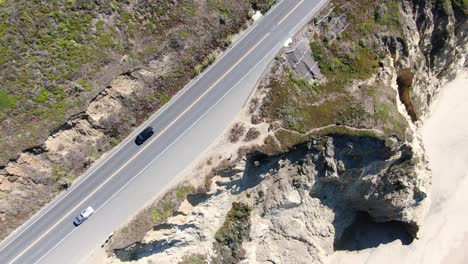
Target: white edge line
{"type": "Point", "coordinates": [164, 151]}
{"type": "Point", "coordinates": [279, 2]}
{"type": "Point", "coordinates": [128, 139]}
{"type": "Point", "coordinates": [300, 24]}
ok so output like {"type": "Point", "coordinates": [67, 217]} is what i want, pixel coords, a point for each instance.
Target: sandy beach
{"type": "Point", "coordinates": [444, 236]}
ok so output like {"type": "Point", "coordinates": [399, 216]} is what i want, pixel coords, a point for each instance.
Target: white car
{"type": "Point", "coordinates": [85, 214]}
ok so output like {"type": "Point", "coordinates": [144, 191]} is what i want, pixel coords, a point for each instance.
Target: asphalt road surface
{"type": "Point", "coordinates": [129, 177]}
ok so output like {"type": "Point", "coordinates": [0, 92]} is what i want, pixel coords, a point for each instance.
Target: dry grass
{"type": "Point", "coordinates": [236, 132]}
{"type": "Point", "coordinates": [194, 259]}
{"type": "Point", "coordinates": [252, 134]}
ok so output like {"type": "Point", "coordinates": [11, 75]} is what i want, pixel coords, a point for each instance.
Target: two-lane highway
{"type": "Point", "coordinates": [123, 182]}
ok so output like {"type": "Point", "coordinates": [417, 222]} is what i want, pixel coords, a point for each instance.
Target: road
{"type": "Point", "coordinates": [129, 177]}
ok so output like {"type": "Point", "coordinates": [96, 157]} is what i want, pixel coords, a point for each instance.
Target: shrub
{"type": "Point", "coordinates": [6, 101]}
{"type": "Point", "coordinates": [235, 230]}
{"type": "Point", "coordinates": [194, 259]}
{"type": "Point", "coordinates": [236, 132]}
{"type": "Point", "coordinates": [252, 134]}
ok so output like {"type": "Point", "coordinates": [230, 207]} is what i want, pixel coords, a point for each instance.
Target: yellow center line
{"type": "Point", "coordinates": [290, 12]}
{"type": "Point", "coordinates": [139, 152]}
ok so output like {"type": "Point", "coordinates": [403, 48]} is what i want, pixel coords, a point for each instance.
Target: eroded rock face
{"type": "Point", "coordinates": [302, 200]}
{"type": "Point", "coordinates": [434, 47]}
{"type": "Point", "coordinates": [320, 188]}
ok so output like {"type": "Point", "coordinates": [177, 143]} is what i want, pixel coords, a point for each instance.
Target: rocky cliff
{"type": "Point", "coordinates": [338, 116]}
{"type": "Point", "coordinates": [302, 201]}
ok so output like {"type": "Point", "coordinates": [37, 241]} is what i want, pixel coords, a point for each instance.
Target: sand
{"type": "Point", "coordinates": [444, 235]}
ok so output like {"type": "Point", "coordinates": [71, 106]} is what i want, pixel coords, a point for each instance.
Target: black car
{"type": "Point", "coordinates": [144, 135]}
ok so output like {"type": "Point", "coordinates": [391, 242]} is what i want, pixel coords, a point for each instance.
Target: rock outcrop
{"type": "Point", "coordinates": [302, 201]}
{"type": "Point", "coordinates": [433, 49]}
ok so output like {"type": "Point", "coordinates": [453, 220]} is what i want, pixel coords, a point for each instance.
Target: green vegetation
{"type": "Point", "coordinates": [288, 139]}
{"type": "Point", "coordinates": [53, 43]}
{"type": "Point", "coordinates": [184, 190]}
{"type": "Point", "coordinates": [43, 95]}
{"type": "Point", "coordinates": [194, 259]}
{"type": "Point", "coordinates": [235, 230]}
{"type": "Point", "coordinates": [301, 84]}
{"type": "Point", "coordinates": [166, 206]}
{"type": "Point", "coordinates": [155, 214]}
{"type": "Point", "coordinates": [94, 153]}
{"type": "Point", "coordinates": [262, 5]}
{"type": "Point", "coordinates": [184, 34]}
{"type": "Point", "coordinates": [449, 5]}
{"type": "Point", "coordinates": [43, 50]}
{"type": "Point", "coordinates": [222, 7]}
{"type": "Point", "coordinates": [352, 55]}
{"type": "Point", "coordinates": [163, 212]}
{"type": "Point", "coordinates": [358, 63]}
{"type": "Point", "coordinates": [460, 4]}
{"type": "Point", "coordinates": [227, 40]}
{"type": "Point", "coordinates": [6, 102]}
{"type": "Point", "coordinates": [164, 98]}
{"type": "Point", "coordinates": [303, 110]}
{"type": "Point", "coordinates": [206, 62]}
{"type": "Point", "coordinates": [270, 146]}
{"type": "Point", "coordinates": [85, 84]}
{"type": "Point", "coordinates": [58, 55]}
{"type": "Point", "coordinates": [114, 141]}
{"type": "Point", "coordinates": [343, 60]}
{"type": "Point", "coordinates": [58, 173]}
